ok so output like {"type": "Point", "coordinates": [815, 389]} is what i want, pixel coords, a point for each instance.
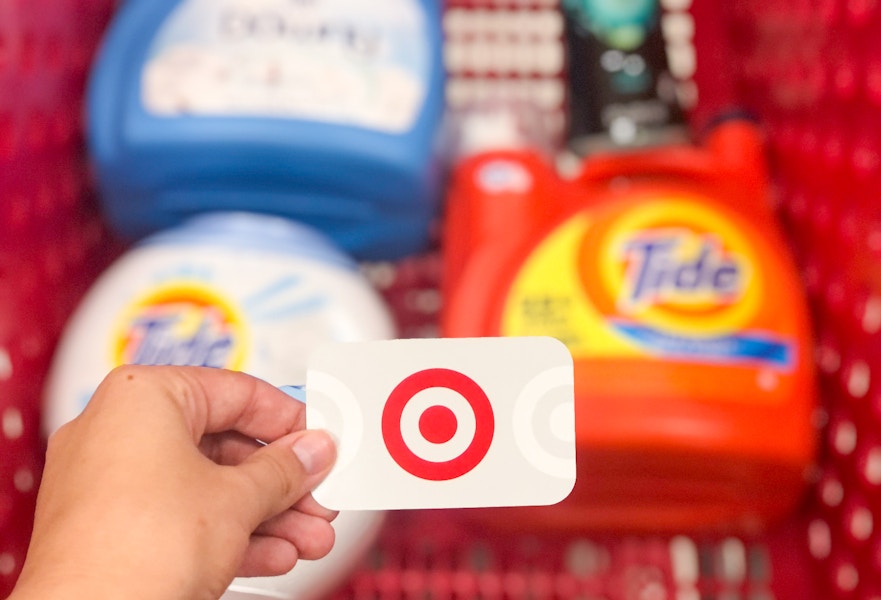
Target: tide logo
{"type": "Point", "coordinates": [675, 265]}
{"type": "Point", "coordinates": [679, 265]}
{"type": "Point", "coordinates": [181, 323]}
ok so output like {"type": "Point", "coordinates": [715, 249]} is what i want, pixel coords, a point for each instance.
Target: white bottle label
{"type": "Point", "coordinates": [339, 61]}
{"type": "Point", "coordinates": [256, 312]}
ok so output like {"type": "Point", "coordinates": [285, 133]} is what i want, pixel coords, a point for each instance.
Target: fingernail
{"type": "Point", "coordinates": [316, 451]}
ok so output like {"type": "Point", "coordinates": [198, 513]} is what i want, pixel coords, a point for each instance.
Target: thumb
{"type": "Point", "coordinates": [281, 473]}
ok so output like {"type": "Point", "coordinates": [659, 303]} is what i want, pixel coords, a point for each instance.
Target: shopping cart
{"type": "Point", "coordinates": [810, 70]}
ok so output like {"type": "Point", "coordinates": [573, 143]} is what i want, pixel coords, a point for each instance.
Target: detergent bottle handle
{"type": "Point", "coordinates": [732, 155]}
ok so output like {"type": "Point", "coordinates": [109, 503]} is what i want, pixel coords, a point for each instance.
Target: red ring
{"type": "Point", "coordinates": [483, 431]}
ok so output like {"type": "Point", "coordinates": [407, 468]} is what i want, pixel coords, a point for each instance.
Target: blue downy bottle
{"type": "Point", "coordinates": [322, 111]}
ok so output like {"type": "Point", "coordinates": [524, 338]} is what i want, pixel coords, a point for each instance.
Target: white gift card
{"type": "Point", "coordinates": [445, 423]}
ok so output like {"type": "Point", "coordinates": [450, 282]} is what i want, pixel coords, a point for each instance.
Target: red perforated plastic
{"type": "Point", "coordinates": [811, 70]}
{"type": "Point", "coordinates": [52, 242]}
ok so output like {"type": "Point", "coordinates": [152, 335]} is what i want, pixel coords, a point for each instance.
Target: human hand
{"type": "Point", "coordinates": [159, 489]}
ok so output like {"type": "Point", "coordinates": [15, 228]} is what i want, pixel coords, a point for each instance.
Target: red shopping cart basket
{"type": "Point", "coordinates": [809, 69]}
{"type": "Point", "coordinates": [52, 242]}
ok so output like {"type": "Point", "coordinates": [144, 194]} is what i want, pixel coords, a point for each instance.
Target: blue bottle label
{"type": "Point", "coordinates": [348, 62]}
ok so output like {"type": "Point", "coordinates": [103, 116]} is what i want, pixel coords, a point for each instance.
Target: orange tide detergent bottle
{"type": "Point", "coordinates": [663, 271]}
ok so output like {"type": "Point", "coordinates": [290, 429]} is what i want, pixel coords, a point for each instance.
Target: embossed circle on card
{"type": "Point", "coordinates": [544, 422]}
{"type": "Point", "coordinates": [343, 416]}
{"type": "Point", "coordinates": [439, 424]}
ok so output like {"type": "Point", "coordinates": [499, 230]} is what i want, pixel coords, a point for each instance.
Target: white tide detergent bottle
{"type": "Point", "coordinates": [241, 291]}
{"type": "Point", "coordinates": [323, 111]}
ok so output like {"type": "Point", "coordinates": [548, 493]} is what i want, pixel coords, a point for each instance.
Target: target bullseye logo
{"type": "Point", "coordinates": [449, 423]}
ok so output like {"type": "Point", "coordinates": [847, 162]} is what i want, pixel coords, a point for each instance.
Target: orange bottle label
{"type": "Point", "coordinates": [668, 276]}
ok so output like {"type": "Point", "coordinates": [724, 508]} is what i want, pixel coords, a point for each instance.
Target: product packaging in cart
{"type": "Point", "coordinates": [237, 291]}
{"type": "Point", "coordinates": [323, 111]}
{"type": "Point", "coordinates": [661, 269]}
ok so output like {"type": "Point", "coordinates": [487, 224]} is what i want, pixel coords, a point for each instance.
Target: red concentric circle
{"type": "Point", "coordinates": [438, 378]}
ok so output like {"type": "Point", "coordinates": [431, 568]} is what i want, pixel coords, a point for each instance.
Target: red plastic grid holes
{"type": "Point", "coordinates": [51, 240]}
{"type": "Point", "coordinates": [810, 68]}
{"type": "Point", "coordinates": [812, 71]}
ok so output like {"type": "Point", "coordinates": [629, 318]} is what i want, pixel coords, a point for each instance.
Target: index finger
{"type": "Point", "coordinates": [213, 400]}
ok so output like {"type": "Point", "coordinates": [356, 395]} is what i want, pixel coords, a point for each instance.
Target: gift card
{"type": "Point", "coordinates": [445, 423]}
